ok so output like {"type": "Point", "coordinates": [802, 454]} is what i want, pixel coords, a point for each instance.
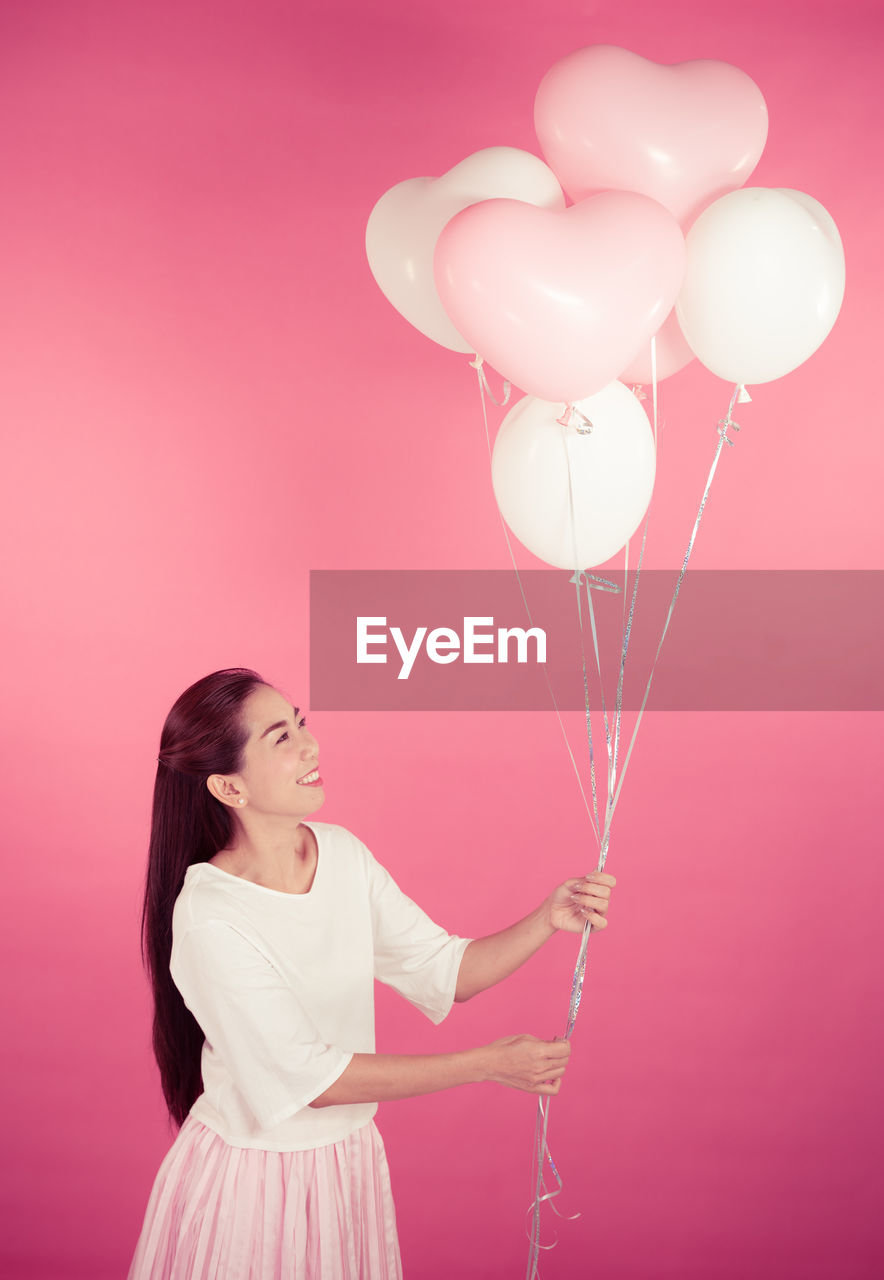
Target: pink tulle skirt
{"type": "Point", "coordinates": [218, 1212]}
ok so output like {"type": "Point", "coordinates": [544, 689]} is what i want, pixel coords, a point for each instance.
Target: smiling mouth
{"type": "Point", "coordinates": [309, 778]}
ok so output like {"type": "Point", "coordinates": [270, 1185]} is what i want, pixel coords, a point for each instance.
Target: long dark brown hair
{"type": "Point", "coordinates": [203, 734]}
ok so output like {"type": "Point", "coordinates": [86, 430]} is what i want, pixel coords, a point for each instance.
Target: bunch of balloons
{"type": "Point", "coordinates": [661, 241]}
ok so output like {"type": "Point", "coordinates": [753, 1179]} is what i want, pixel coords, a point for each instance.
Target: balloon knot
{"type": "Point", "coordinates": [572, 417]}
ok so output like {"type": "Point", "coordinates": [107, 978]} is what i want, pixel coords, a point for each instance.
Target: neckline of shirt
{"type": "Point", "coordinates": [277, 893]}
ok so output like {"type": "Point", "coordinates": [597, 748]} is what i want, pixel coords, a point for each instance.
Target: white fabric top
{"type": "Point", "coordinates": [282, 985]}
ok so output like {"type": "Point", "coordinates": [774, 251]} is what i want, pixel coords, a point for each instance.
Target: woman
{"type": "Point", "coordinates": [263, 935]}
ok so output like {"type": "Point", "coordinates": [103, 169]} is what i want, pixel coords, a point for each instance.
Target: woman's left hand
{"type": "Point", "coordinates": [576, 901]}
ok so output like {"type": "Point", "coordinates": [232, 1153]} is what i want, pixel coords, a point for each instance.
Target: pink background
{"type": "Point", "coordinates": [204, 396]}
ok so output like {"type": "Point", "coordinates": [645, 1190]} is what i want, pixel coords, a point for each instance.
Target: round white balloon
{"type": "Point", "coordinates": [611, 476]}
{"type": "Point", "coordinates": [406, 222]}
{"type": "Point", "coordinates": [763, 285]}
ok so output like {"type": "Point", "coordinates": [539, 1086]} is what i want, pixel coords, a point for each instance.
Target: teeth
{"type": "Point", "coordinates": [309, 777]}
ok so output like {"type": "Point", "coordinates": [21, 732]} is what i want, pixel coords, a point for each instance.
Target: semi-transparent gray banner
{"type": "Point", "coordinates": [739, 640]}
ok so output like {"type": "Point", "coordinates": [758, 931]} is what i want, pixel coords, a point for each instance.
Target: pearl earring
{"type": "Point", "coordinates": [241, 801]}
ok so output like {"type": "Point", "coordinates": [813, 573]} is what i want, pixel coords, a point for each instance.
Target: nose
{"type": "Point", "coordinates": [309, 745]}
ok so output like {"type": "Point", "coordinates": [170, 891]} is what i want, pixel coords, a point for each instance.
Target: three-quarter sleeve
{"type": "Point", "coordinates": [253, 1021]}
{"type": "Point", "coordinates": [412, 953]}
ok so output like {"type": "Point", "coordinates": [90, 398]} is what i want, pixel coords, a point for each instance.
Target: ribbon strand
{"type": "Point", "coordinates": [723, 439]}
{"type": "Point", "coordinates": [541, 1146]}
{"type": "Point", "coordinates": [483, 391]}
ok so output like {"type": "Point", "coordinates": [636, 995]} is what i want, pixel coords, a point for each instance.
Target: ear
{"type": "Point", "coordinates": [225, 789]}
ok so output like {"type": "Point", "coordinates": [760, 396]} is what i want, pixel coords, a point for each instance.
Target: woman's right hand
{"type": "Point", "coordinates": [525, 1062]}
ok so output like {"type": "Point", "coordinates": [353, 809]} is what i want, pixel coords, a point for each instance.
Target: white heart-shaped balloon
{"type": "Point", "coordinates": [406, 222]}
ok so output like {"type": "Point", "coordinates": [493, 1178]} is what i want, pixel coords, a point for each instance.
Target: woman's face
{"type": "Point", "coordinates": [279, 773]}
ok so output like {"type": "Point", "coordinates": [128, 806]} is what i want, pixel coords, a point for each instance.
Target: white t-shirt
{"type": "Point", "coordinates": [282, 984]}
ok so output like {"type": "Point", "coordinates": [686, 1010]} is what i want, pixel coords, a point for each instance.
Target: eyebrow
{"type": "Point", "coordinates": [280, 724]}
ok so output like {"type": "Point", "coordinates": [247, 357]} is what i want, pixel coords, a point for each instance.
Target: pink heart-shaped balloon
{"type": "Point", "coordinates": [684, 135]}
{"type": "Point", "coordinates": [559, 302]}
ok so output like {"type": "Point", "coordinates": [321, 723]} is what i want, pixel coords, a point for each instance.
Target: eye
{"type": "Point", "coordinates": [302, 722]}
{"type": "Point", "coordinates": [282, 737]}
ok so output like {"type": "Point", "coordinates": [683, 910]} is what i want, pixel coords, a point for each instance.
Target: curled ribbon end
{"type": "Point", "coordinates": [595, 583]}
{"type": "Point", "coordinates": [479, 365]}
{"type": "Point", "coordinates": [723, 425]}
